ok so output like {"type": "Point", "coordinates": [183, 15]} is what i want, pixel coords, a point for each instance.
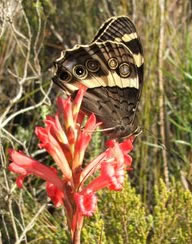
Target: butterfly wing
{"type": "Point", "coordinates": [110, 73]}
{"type": "Point", "coordinates": [121, 29]}
{"type": "Point", "coordinates": [113, 73]}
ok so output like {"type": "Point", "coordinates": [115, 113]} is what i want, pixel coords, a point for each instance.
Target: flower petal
{"type": "Point", "coordinates": [86, 203]}
{"type": "Point", "coordinates": [126, 145]}
{"type": "Point", "coordinates": [20, 180]}
{"type": "Point", "coordinates": [55, 194]}
{"type": "Point", "coordinates": [78, 100]}
{"type": "Point", "coordinates": [65, 109]}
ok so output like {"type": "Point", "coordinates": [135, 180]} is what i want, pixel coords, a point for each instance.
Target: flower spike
{"type": "Point", "coordinates": [66, 140]}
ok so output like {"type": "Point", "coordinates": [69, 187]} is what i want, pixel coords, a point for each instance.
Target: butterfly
{"type": "Point", "coordinates": [112, 68]}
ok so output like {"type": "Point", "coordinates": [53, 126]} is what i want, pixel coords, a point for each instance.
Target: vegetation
{"type": "Point", "coordinates": [156, 203]}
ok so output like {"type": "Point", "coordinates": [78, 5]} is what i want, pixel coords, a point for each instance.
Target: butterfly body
{"type": "Point", "coordinates": [111, 66]}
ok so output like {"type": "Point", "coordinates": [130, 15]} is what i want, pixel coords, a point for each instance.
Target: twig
{"type": "Point", "coordinates": [13, 218]}
{"type": "Point", "coordinates": [31, 224]}
{"type": "Point", "coordinates": [5, 122]}
{"type": "Point", "coordinates": [9, 135]}
{"type": "Point", "coordinates": [161, 89]}
{"type": "Point", "coordinates": [35, 47]}
{"type": "Point", "coordinates": [57, 35]}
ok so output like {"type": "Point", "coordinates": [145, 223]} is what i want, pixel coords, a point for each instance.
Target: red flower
{"type": "Point", "coordinates": [86, 203]}
{"type": "Point", "coordinates": [53, 146]}
{"type": "Point", "coordinates": [112, 165]}
{"type": "Point", "coordinates": [24, 166]}
{"type": "Point", "coordinates": [83, 140]}
{"type": "Point", "coordinates": [66, 142]}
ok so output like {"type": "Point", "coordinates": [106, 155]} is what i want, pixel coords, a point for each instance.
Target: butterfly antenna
{"type": "Point", "coordinates": [152, 135]}
{"type": "Point", "coordinates": [163, 146]}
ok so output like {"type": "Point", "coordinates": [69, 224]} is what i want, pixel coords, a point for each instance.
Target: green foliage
{"type": "Point", "coordinates": [172, 217]}
{"type": "Point", "coordinates": [93, 231]}
{"type": "Point", "coordinates": [125, 217]}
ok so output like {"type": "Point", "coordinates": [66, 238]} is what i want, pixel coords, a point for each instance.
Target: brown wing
{"type": "Point", "coordinates": [112, 69]}
{"type": "Point", "coordinates": [109, 71]}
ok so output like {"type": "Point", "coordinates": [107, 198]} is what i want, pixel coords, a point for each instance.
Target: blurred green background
{"type": "Point", "coordinates": [156, 203]}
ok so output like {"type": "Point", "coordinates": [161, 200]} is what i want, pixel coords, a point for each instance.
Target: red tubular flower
{"type": "Point", "coordinates": [112, 176]}
{"type": "Point", "coordinates": [77, 103]}
{"type": "Point", "coordinates": [54, 148]}
{"type": "Point", "coordinates": [126, 146]}
{"type": "Point", "coordinates": [112, 169]}
{"type": "Point", "coordinates": [65, 109]}
{"type": "Point", "coordinates": [56, 128]}
{"type": "Point", "coordinates": [86, 203]}
{"type": "Point", "coordinates": [55, 194]}
{"type": "Point", "coordinates": [24, 165]}
{"type": "Point", "coordinates": [83, 140]}
{"type": "Point", "coordinates": [112, 165]}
